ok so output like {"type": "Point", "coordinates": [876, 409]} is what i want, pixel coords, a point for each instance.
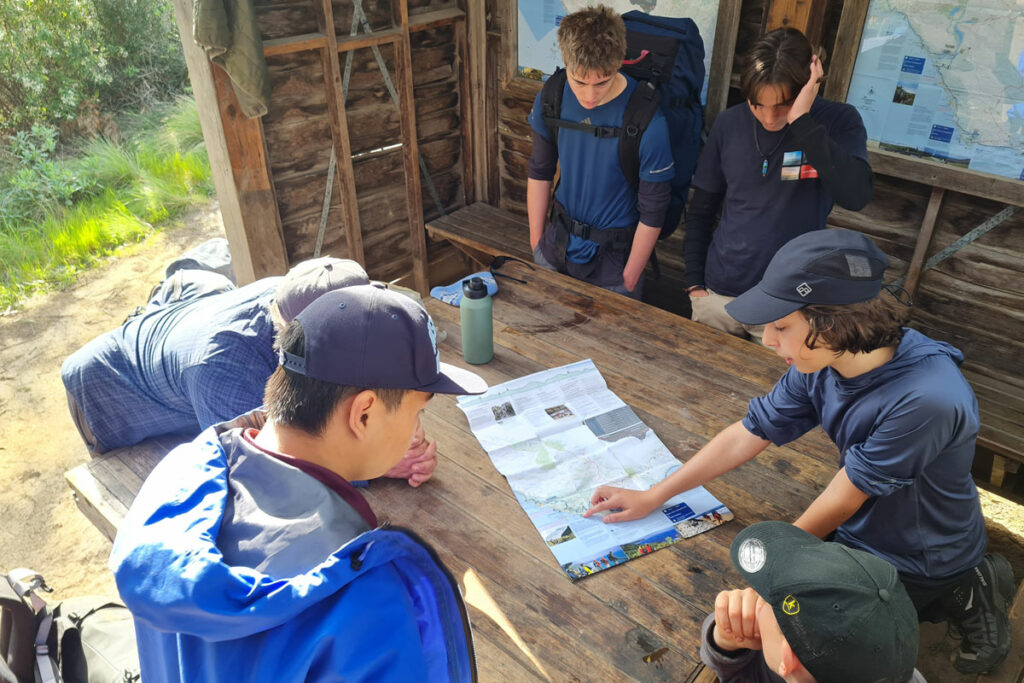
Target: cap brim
{"type": "Point", "coordinates": [757, 307]}
{"type": "Point", "coordinates": [454, 380]}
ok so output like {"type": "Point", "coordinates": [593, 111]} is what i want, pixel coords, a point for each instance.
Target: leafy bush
{"type": "Point", "coordinates": [58, 55]}
{"type": "Point", "coordinates": [60, 215]}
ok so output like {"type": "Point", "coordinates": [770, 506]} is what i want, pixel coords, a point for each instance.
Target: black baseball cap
{"type": "Point", "coordinates": [370, 336]}
{"type": "Point", "coordinates": [833, 266]}
{"type": "Point", "coordinates": [844, 612]}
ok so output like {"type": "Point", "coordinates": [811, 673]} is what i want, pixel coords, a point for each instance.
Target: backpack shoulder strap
{"type": "Point", "coordinates": [25, 583]}
{"type": "Point", "coordinates": [551, 102]}
{"type": "Point", "coordinates": [639, 111]}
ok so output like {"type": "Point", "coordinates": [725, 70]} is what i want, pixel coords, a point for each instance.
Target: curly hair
{"type": "Point", "coordinates": [857, 328]}
{"type": "Point", "coordinates": [781, 58]}
{"type": "Point", "coordinates": [592, 40]}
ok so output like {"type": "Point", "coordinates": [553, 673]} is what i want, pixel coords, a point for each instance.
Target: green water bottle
{"type": "Point", "coordinates": [477, 327]}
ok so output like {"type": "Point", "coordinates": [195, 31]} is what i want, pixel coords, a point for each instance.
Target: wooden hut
{"type": "Point", "coordinates": [385, 114]}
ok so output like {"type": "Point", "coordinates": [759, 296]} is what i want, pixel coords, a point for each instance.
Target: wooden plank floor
{"type": "Point", "coordinates": [638, 621]}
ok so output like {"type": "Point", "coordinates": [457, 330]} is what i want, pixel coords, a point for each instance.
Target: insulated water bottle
{"type": "Point", "coordinates": [477, 327]}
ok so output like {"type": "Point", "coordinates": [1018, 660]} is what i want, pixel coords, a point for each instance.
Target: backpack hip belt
{"type": "Point", "coordinates": [563, 225]}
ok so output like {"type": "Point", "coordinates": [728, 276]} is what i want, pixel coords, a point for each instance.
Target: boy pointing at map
{"type": "Point", "coordinates": [903, 417]}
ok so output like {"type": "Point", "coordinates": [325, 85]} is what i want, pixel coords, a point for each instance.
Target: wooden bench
{"type": "Point", "coordinates": [482, 232]}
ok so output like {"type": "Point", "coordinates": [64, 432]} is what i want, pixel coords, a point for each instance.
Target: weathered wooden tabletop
{"type": "Point", "coordinates": [636, 621]}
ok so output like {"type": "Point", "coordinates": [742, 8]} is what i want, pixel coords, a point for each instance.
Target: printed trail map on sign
{"type": "Point", "coordinates": [557, 435]}
{"type": "Point", "coordinates": [945, 81]}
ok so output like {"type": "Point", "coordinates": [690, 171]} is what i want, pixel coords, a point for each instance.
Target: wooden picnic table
{"type": "Point", "coordinates": [636, 621]}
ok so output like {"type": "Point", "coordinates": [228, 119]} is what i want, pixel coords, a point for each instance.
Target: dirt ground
{"type": "Point", "coordinates": [41, 525]}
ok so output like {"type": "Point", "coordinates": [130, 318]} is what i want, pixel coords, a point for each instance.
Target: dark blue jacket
{"type": "Point", "coordinates": [905, 433]}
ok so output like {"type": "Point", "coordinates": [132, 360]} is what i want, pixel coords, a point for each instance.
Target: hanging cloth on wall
{"type": "Point", "coordinates": [229, 34]}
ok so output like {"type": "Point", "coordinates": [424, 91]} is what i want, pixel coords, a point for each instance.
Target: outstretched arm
{"type": "Point", "coordinates": [832, 507]}
{"type": "Point", "coordinates": [731, 447]}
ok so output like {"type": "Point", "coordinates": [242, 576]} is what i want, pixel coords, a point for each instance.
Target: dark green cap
{"type": "Point", "coordinates": [844, 611]}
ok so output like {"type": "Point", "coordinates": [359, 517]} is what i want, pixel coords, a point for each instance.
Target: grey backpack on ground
{"type": "Point", "coordinates": [80, 640]}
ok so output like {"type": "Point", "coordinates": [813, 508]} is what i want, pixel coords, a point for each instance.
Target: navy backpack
{"type": "Point", "coordinates": [666, 56]}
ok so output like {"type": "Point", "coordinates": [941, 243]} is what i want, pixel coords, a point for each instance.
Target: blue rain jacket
{"type": "Point", "coordinates": [380, 607]}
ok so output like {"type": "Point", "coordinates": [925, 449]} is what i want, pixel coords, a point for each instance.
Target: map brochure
{"type": "Point", "coordinates": [556, 436]}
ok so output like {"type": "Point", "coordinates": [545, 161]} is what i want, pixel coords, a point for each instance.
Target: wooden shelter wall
{"type": "Point", "coordinates": [298, 133]}
{"type": "Point", "coordinates": [974, 299]}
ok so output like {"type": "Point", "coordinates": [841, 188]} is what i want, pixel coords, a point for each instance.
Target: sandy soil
{"type": "Point", "coordinates": [41, 525]}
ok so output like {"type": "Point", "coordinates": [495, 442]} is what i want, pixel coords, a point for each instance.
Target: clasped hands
{"type": "Point", "coordinates": [418, 463]}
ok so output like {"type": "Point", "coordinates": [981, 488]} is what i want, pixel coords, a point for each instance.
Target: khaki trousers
{"type": "Point", "coordinates": [710, 310]}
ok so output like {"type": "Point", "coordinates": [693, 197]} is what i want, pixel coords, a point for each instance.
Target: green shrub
{"type": "Point", "coordinates": [60, 215]}
{"type": "Point", "coordinates": [58, 55]}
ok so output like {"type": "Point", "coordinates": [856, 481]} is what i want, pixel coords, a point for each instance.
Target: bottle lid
{"type": "Point", "coordinates": [474, 288]}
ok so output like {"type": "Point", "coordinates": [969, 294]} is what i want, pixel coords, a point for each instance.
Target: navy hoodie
{"type": "Point", "coordinates": [905, 433]}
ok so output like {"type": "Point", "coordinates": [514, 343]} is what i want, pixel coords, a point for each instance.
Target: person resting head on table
{"type": "Point", "coordinates": [904, 420]}
{"type": "Point", "coordinates": [814, 611]}
{"type": "Point", "coordinates": [247, 554]}
{"type": "Point", "coordinates": [201, 354]}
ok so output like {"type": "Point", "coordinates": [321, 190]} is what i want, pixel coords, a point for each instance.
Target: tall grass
{"type": "Point", "coordinates": [58, 216]}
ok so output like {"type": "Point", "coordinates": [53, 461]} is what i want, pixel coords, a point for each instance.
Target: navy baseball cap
{"type": "Point", "coordinates": [830, 267]}
{"type": "Point", "coordinates": [844, 612]}
{"type": "Point", "coordinates": [369, 336]}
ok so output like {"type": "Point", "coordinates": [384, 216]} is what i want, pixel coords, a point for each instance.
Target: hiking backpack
{"type": "Point", "coordinates": [78, 640]}
{"type": "Point", "coordinates": [666, 57]}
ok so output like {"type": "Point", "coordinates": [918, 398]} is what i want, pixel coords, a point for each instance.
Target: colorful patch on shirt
{"type": "Point", "coordinates": [792, 158]}
{"type": "Point", "coordinates": [791, 173]}
{"type": "Point", "coordinates": [808, 171]}
{"type": "Point", "coordinates": [795, 168]}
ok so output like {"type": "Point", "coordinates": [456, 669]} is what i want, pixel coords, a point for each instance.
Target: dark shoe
{"type": "Point", "coordinates": [983, 623]}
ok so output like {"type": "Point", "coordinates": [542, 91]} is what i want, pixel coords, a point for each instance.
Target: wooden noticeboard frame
{"type": "Point", "coordinates": [722, 54]}
{"type": "Point", "coordinates": [934, 173]}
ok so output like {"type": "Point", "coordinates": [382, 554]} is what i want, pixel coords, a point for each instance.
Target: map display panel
{"type": "Point", "coordinates": [559, 434]}
{"type": "Point", "coordinates": [945, 81]}
{"type": "Point", "coordinates": [539, 19]}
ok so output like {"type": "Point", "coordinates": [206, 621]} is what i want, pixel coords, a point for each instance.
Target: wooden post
{"type": "Point", "coordinates": [806, 15]}
{"type": "Point", "coordinates": [924, 240]}
{"type": "Point", "coordinates": [509, 23]}
{"type": "Point", "coordinates": [238, 160]}
{"type": "Point", "coordinates": [476, 21]}
{"type": "Point", "coordinates": [722, 58]}
{"type": "Point", "coordinates": [468, 107]}
{"type": "Point", "coordinates": [345, 180]}
{"type": "Point", "coordinates": [410, 152]}
{"type": "Point", "coordinates": [839, 68]}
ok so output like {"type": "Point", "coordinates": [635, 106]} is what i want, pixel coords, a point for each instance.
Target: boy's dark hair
{"type": "Point", "coordinates": [857, 328]}
{"type": "Point", "coordinates": [299, 401]}
{"type": "Point", "coordinates": [781, 58]}
{"type": "Point", "coordinates": [592, 40]}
